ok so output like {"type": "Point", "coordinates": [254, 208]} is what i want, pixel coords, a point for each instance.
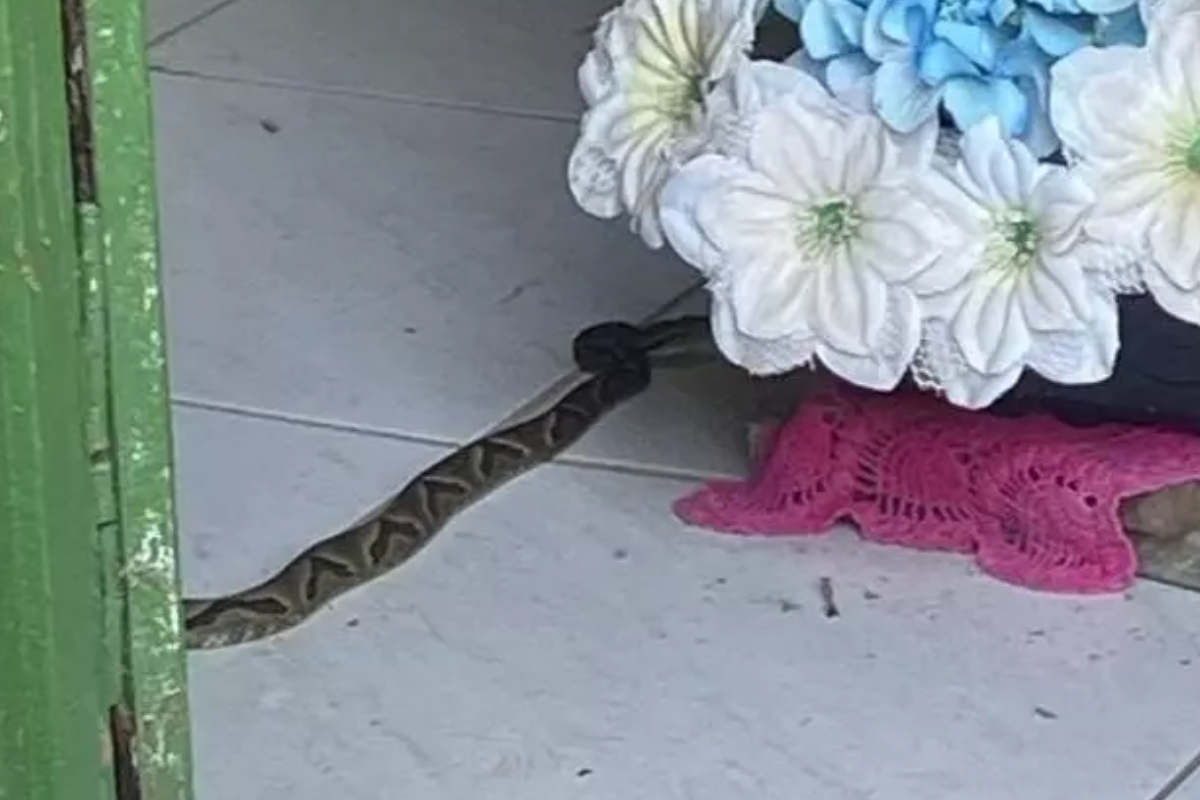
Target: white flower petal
{"type": "Point", "coordinates": [848, 305]}
{"type": "Point", "coordinates": [1125, 202]}
{"type": "Point", "coordinates": [912, 153]}
{"type": "Point", "coordinates": [1055, 296]}
{"type": "Point", "coordinates": [904, 239]}
{"type": "Point", "coordinates": [884, 367]}
{"type": "Point", "coordinates": [793, 148]}
{"type": "Point", "coordinates": [1086, 86]}
{"type": "Point", "coordinates": [1061, 203]}
{"type": "Point", "coordinates": [989, 326]}
{"type": "Point", "coordinates": [1165, 14]}
{"type": "Point", "coordinates": [942, 367]}
{"type": "Point", "coordinates": [755, 215]}
{"type": "Point", "coordinates": [596, 75]}
{"type": "Point", "coordinates": [1176, 59]}
{"type": "Point", "coordinates": [1175, 237]}
{"type": "Point", "coordinates": [756, 356]}
{"type": "Point", "coordinates": [771, 297]}
{"type": "Point", "coordinates": [699, 181]}
{"type": "Point", "coordinates": [592, 179]}
{"type": "Point", "coordinates": [1083, 356]}
{"type": "Point", "coordinates": [866, 139]}
{"type": "Point", "coordinates": [1002, 168]}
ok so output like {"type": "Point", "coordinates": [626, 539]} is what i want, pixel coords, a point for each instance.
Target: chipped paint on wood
{"type": "Point", "coordinates": [142, 542]}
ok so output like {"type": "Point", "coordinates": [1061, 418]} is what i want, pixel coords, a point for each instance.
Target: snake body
{"type": "Point", "coordinates": [406, 522]}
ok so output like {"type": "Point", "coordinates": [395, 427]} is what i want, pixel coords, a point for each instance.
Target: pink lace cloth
{"type": "Point", "coordinates": [1035, 500]}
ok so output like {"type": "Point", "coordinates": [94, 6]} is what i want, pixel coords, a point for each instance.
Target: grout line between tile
{"type": "Point", "coordinates": [1178, 779]}
{"type": "Point", "coordinates": [174, 30]}
{"type": "Point", "coordinates": [301, 420]}
{"type": "Point", "coordinates": [366, 94]}
{"type": "Point", "coordinates": [565, 461]}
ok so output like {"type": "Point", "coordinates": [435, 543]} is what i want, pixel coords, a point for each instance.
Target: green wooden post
{"type": "Point", "coordinates": [125, 285]}
{"type": "Point", "coordinates": [53, 708]}
{"type": "Point", "coordinates": [92, 687]}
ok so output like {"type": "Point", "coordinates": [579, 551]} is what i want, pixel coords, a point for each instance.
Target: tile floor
{"type": "Point", "coordinates": [371, 255]}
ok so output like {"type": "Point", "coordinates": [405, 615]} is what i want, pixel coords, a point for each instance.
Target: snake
{"type": "Point", "coordinates": [618, 358]}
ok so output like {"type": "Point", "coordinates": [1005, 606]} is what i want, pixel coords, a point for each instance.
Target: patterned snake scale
{"type": "Point", "coordinates": [403, 525]}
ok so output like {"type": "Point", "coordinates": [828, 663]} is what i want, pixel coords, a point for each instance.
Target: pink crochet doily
{"type": "Point", "coordinates": [1035, 500]}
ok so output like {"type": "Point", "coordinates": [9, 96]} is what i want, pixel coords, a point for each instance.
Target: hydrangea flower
{"type": "Point", "coordinates": [1027, 296]}
{"type": "Point", "coordinates": [812, 243]}
{"type": "Point", "coordinates": [975, 58]}
{"type": "Point", "coordinates": [1132, 117]}
{"type": "Point", "coordinates": [645, 83]}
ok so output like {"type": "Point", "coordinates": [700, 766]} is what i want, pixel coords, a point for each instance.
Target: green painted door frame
{"type": "Point", "coordinates": [93, 695]}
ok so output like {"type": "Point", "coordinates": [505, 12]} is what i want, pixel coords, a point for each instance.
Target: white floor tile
{"type": "Point", "coordinates": [166, 15]}
{"type": "Point", "coordinates": [398, 267]}
{"type": "Point", "coordinates": [520, 54]}
{"type": "Point", "coordinates": [689, 422]}
{"type": "Point", "coordinates": [567, 637]}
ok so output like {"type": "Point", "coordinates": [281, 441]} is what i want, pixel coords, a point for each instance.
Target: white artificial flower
{"type": "Point", "coordinates": [811, 241]}
{"type": "Point", "coordinates": [645, 83]}
{"type": "Point", "coordinates": [1026, 297]}
{"type": "Point", "coordinates": [1131, 118]}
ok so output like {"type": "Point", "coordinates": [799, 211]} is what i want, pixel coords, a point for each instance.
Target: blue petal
{"type": "Point", "coordinates": [997, 11]}
{"type": "Point", "coordinates": [849, 16]}
{"type": "Point", "coordinates": [1058, 36]}
{"type": "Point", "coordinates": [899, 17]}
{"type": "Point", "coordinates": [1106, 6]}
{"type": "Point", "coordinates": [822, 36]}
{"type": "Point", "coordinates": [1023, 58]}
{"type": "Point", "coordinates": [971, 100]}
{"type": "Point", "coordinates": [1059, 6]}
{"type": "Point", "coordinates": [792, 9]}
{"type": "Point", "coordinates": [901, 98]}
{"type": "Point", "coordinates": [941, 61]}
{"type": "Point", "coordinates": [1039, 133]}
{"type": "Point", "coordinates": [876, 43]}
{"type": "Point", "coordinates": [980, 43]}
{"type": "Point", "coordinates": [849, 78]}
{"type": "Point", "coordinates": [846, 71]}
{"type": "Point", "coordinates": [1123, 28]}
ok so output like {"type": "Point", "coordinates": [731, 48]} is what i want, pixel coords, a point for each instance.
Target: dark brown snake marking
{"type": "Point", "coordinates": [396, 532]}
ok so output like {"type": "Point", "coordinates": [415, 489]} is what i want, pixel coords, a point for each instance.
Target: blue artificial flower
{"type": "Point", "coordinates": [974, 58]}
{"type": "Point", "coordinates": [792, 9]}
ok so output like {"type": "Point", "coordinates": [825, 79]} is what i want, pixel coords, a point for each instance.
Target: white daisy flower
{"type": "Point", "coordinates": [1026, 297]}
{"type": "Point", "coordinates": [645, 83]}
{"type": "Point", "coordinates": [1131, 116]}
{"type": "Point", "coordinates": [812, 242]}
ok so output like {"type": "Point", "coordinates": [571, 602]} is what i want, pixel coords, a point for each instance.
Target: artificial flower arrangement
{"type": "Point", "coordinates": [955, 190]}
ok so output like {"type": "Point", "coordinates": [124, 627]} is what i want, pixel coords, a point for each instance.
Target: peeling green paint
{"type": "Point", "coordinates": [89, 594]}
{"type": "Point", "coordinates": [136, 394]}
